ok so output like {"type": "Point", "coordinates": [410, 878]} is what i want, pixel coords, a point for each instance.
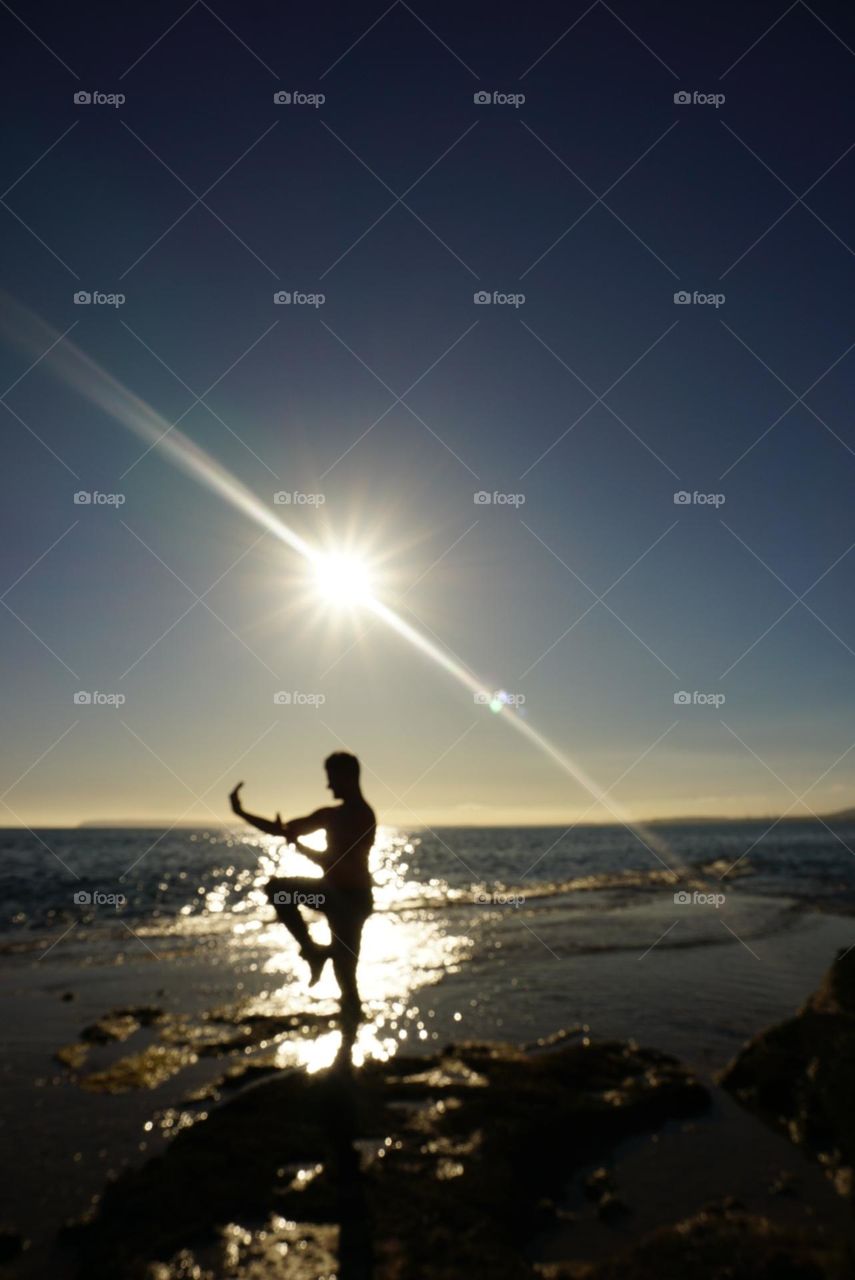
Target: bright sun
{"type": "Point", "coordinates": [343, 579]}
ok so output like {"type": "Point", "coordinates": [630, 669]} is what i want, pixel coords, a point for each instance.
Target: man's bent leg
{"type": "Point", "coordinates": [286, 894]}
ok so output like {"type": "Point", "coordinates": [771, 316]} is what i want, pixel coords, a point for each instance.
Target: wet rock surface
{"type": "Point", "coordinates": [419, 1167]}
{"type": "Point", "coordinates": [454, 1165]}
{"type": "Point", "coordinates": [12, 1243]}
{"type": "Point", "coordinates": [799, 1076]}
{"type": "Point", "coordinates": [177, 1041]}
{"type": "Point", "coordinates": [720, 1243]}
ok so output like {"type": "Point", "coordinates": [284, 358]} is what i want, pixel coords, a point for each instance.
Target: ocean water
{"type": "Point", "coordinates": [213, 875]}
{"type": "Point", "coordinates": [692, 944]}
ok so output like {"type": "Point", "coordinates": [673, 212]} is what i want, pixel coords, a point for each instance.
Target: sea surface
{"type": "Point", "coordinates": [191, 873]}
{"type": "Point", "coordinates": [689, 935]}
{"type": "Point", "coordinates": [689, 938]}
{"type": "Point", "coordinates": [446, 899]}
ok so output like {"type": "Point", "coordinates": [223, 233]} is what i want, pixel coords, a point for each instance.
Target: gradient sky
{"type": "Point", "coordinates": [504, 398]}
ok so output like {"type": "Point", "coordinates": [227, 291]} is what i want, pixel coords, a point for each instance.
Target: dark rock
{"type": "Point", "coordinates": [598, 1184]}
{"type": "Point", "coordinates": [784, 1184]}
{"type": "Point", "coordinates": [716, 1245]}
{"type": "Point", "coordinates": [11, 1244]}
{"type": "Point", "coordinates": [611, 1207]}
{"type": "Point", "coordinates": [121, 1023]}
{"type": "Point", "coordinates": [434, 1167]}
{"type": "Point", "coordinates": [800, 1075]}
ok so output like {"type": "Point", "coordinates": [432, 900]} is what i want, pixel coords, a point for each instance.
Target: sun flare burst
{"type": "Point", "coordinates": [343, 580]}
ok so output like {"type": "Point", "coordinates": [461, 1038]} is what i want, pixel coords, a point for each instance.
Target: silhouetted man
{"type": "Point", "coordinates": [343, 892]}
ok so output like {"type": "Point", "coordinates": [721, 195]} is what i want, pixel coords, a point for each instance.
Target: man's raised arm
{"type": "Point", "coordinates": [270, 827]}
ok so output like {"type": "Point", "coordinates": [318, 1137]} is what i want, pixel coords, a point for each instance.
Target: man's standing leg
{"type": "Point", "coordinates": [347, 914]}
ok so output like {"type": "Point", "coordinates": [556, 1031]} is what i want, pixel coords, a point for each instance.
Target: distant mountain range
{"type": "Point", "coordinates": [163, 824]}
{"type": "Point", "coordinates": [160, 824]}
{"type": "Point", "coordinates": [840, 815]}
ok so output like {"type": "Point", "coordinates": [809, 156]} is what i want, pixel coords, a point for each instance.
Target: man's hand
{"type": "Point", "coordinates": [234, 798]}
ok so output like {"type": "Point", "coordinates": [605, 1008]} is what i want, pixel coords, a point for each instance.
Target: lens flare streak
{"type": "Point", "coordinates": [81, 372]}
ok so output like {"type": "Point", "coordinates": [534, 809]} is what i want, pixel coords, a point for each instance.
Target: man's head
{"type": "Point", "coordinates": [342, 774]}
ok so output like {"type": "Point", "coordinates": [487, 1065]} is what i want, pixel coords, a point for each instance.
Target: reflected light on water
{"type": "Point", "coordinates": [402, 951]}
{"type": "Point", "coordinates": [321, 1052]}
{"type": "Point", "coordinates": [405, 949]}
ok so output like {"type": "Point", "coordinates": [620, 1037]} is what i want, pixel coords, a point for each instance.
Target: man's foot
{"type": "Point", "coordinates": [316, 959]}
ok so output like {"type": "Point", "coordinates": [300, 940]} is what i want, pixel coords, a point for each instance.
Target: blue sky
{"type": "Point", "coordinates": [597, 398]}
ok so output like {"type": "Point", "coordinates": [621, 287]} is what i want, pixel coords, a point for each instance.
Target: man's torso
{"type": "Point", "coordinates": [350, 836]}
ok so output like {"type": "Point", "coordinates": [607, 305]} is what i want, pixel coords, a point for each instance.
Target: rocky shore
{"type": "Point", "coordinates": [459, 1164]}
{"type": "Point", "coordinates": [437, 1167]}
{"type": "Point", "coordinates": [440, 1167]}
